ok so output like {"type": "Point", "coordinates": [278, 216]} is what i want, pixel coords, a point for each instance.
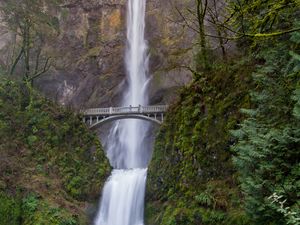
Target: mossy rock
{"type": "Point", "coordinates": [191, 166]}
{"type": "Point", "coordinates": [49, 152]}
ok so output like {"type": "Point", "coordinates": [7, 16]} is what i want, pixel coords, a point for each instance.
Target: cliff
{"type": "Point", "coordinates": [191, 177]}
{"type": "Point", "coordinates": [88, 53]}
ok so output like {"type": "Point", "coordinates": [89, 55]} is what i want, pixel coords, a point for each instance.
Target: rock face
{"type": "Point", "coordinates": [89, 52]}
{"type": "Point", "coordinates": [89, 68]}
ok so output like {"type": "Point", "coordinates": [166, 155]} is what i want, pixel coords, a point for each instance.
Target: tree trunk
{"type": "Point", "coordinates": [203, 53]}
{"type": "Point", "coordinates": [26, 45]}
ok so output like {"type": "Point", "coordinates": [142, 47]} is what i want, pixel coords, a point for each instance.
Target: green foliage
{"type": "Point", "coordinates": [191, 167]}
{"type": "Point", "coordinates": [292, 217]}
{"type": "Point", "coordinates": [204, 199]}
{"type": "Point", "coordinates": [192, 159]}
{"type": "Point", "coordinates": [10, 210]}
{"type": "Point", "coordinates": [184, 213]}
{"type": "Point", "coordinates": [177, 216]}
{"type": "Point", "coordinates": [32, 210]}
{"type": "Point", "coordinates": [262, 18]}
{"type": "Point", "coordinates": [268, 140]}
{"type": "Point", "coordinates": [46, 150]}
{"type": "Point", "coordinates": [29, 205]}
{"type": "Point", "coordinates": [32, 23]}
{"type": "Point", "coordinates": [37, 212]}
{"type": "Point", "coordinates": [296, 98]}
{"type": "Point", "coordinates": [15, 12]}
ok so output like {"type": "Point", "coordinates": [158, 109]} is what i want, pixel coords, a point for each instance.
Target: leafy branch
{"type": "Point", "coordinates": [292, 217]}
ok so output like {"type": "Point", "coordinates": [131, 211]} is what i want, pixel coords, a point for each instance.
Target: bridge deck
{"type": "Point", "coordinates": [125, 110]}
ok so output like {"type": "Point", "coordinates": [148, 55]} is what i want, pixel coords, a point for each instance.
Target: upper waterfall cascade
{"type": "Point", "coordinates": [123, 196]}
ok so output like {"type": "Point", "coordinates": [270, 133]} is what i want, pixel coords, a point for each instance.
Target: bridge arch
{"type": "Point", "coordinates": [122, 117]}
{"type": "Point", "coordinates": [96, 117]}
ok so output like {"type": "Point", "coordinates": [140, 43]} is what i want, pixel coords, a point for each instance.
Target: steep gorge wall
{"type": "Point", "coordinates": [191, 178]}
{"type": "Point", "coordinates": [89, 52]}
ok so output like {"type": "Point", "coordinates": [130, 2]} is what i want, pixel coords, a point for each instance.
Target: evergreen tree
{"type": "Point", "coordinates": [268, 148]}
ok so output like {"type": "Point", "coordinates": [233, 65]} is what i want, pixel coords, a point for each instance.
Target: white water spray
{"type": "Point", "coordinates": [123, 195]}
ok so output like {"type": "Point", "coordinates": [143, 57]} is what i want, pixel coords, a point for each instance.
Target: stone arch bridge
{"type": "Point", "coordinates": [98, 116]}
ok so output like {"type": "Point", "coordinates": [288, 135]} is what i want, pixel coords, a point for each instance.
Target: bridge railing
{"type": "Point", "coordinates": [96, 111]}
{"type": "Point", "coordinates": [126, 110]}
{"type": "Point", "coordinates": [153, 109]}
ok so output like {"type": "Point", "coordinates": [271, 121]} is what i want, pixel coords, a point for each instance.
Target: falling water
{"type": "Point", "coordinates": [123, 195]}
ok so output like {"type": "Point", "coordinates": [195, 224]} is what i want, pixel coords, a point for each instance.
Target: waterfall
{"type": "Point", "coordinates": [124, 192]}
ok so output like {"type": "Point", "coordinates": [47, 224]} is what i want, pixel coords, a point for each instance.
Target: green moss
{"type": "Point", "coordinates": [91, 53]}
{"type": "Point", "coordinates": [32, 210]}
{"type": "Point", "coordinates": [48, 151]}
{"type": "Point", "coordinates": [191, 175]}
{"type": "Point", "coordinates": [37, 212]}
{"type": "Point", "coordinates": [10, 210]}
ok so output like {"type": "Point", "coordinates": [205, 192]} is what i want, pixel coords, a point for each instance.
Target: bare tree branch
{"type": "Point", "coordinates": [16, 61]}
{"type": "Point", "coordinates": [46, 67]}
